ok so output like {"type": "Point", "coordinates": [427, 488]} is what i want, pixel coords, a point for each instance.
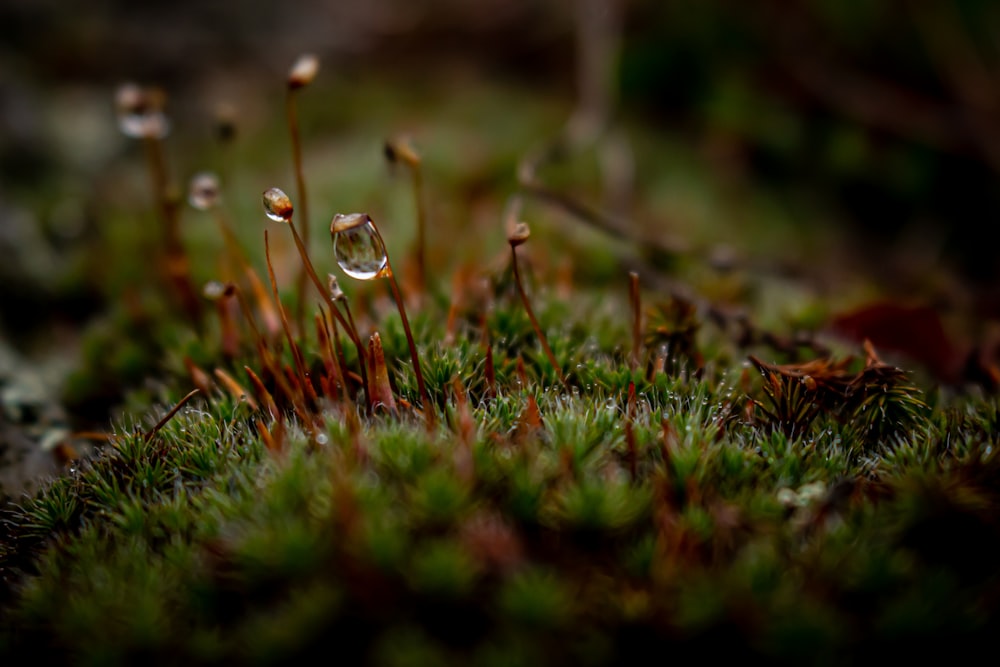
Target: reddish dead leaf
{"type": "Point", "coordinates": [915, 331]}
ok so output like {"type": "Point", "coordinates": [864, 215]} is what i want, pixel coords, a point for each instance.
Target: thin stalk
{"type": "Point", "coordinates": [351, 332]}
{"type": "Point", "coordinates": [296, 353]}
{"type": "Point", "coordinates": [167, 417]}
{"type": "Point", "coordinates": [239, 255]}
{"type": "Point", "coordinates": [421, 226]}
{"type": "Point", "coordinates": [531, 316]}
{"type": "Point", "coordinates": [424, 396]}
{"type": "Point", "coordinates": [634, 299]}
{"type": "Point", "coordinates": [177, 262]}
{"type": "Point", "coordinates": [262, 351]}
{"type": "Point", "coordinates": [300, 184]}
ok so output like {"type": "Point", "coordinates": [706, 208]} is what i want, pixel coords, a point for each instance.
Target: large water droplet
{"type": "Point", "coordinates": [277, 205]}
{"type": "Point", "coordinates": [203, 192]}
{"type": "Point", "coordinates": [358, 246]}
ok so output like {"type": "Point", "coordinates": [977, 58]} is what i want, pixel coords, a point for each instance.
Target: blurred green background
{"type": "Point", "coordinates": [878, 120]}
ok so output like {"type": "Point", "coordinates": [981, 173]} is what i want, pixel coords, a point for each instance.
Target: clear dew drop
{"type": "Point", "coordinates": [203, 192]}
{"type": "Point", "coordinates": [358, 247]}
{"type": "Point", "coordinates": [277, 205]}
{"type": "Point", "coordinates": [213, 290]}
{"type": "Point", "coordinates": [140, 112]}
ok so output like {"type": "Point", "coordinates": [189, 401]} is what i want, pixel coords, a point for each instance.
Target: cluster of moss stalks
{"type": "Point", "coordinates": [588, 483]}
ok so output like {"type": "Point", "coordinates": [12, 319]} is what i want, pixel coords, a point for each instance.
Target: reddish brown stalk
{"type": "Point", "coordinates": [239, 256]}
{"type": "Point", "coordinates": [274, 438]}
{"type": "Point", "coordinates": [334, 335]}
{"type": "Point", "coordinates": [296, 353]}
{"type": "Point", "coordinates": [268, 362]}
{"type": "Point", "coordinates": [531, 316]}
{"type": "Point", "coordinates": [418, 189]}
{"type": "Point", "coordinates": [324, 292]}
{"type": "Point", "coordinates": [177, 265]}
{"type": "Point", "coordinates": [424, 396]}
{"type": "Point", "coordinates": [635, 300]}
{"type": "Point", "coordinates": [262, 393]}
{"type": "Point", "coordinates": [330, 361]}
{"type": "Point", "coordinates": [227, 324]}
{"type": "Point", "coordinates": [489, 371]}
{"type": "Point", "coordinates": [167, 417]}
{"type": "Point", "coordinates": [262, 351]}
{"type": "Point", "coordinates": [300, 183]}
{"type": "Point", "coordinates": [402, 151]}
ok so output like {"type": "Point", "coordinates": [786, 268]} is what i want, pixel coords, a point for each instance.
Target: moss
{"type": "Point", "coordinates": [515, 519]}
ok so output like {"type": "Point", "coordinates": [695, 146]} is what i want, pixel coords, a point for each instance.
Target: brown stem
{"type": "Point", "coordinates": [325, 293]}
{"type": "Point", "coordinates": [296, 353]}
{"type": "Point", "coordinates": [428, 408]}
{"type": "Point", "coordinates": [531, 316]}
{"type": "Point", "coordinates": [167, 417]}
{"type": "Point", "coordinates": [300, 183]}
{"type": "Point", "coordinates": [177, 264]}
{"type": "Point", "coordinates": [239, 255]}
{"type": "Point", "coordinates": [634, 299]}
{"type": "Point", "coordinates": [421, 227]}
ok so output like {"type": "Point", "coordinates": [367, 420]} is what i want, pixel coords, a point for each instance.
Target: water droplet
{"type": "Point", "coordinates": [518, 234]}
{"type": "Point", "coordinates": [277, 205]}
{"type": "Point", "coordinates": [303, 71]}
{"type": "Point", "coordinates": [203, 191]}
{"type": "Point", "coordinates": [322, 439]}
{"type": "Point", "coordinates": [358, 246]}
{"type": "Point", "coordinates": [335, 292]}
{"type": "Point", "coordinates": [213, 290]}
{"type": "Point", "coordinates": [140, 112]}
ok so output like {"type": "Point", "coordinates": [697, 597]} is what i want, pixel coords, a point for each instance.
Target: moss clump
{"type": "Point", "coordinates": [616, 507]}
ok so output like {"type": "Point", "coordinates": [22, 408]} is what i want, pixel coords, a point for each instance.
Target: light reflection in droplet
{"type": "Point", "coordinates": [358, 247]}
{"type": "Point", "coordinates": [277, 205]}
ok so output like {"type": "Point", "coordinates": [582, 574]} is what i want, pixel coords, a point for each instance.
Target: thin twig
{"type": "Point", "coordinates": [531, 316]}
{"type": "Point", "coordinates": [167, 417]}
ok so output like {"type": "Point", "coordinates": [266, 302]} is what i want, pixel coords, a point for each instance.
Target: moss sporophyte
{"type": "Point", "coordinates": [634, 488]}
{"type": "Point", "coordinates": [361, 254]}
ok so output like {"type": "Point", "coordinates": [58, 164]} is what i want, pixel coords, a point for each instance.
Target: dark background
{"type": "Point", "coordinates": [887, 113]}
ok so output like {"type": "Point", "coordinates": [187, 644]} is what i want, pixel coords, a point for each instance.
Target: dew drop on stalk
{"type": "Point", "coordinates": [303, 71]}
{"type": "Point", "coordinates": [358, 246]}
{"type": "Point", "coordinates": [213, 290]}
{"type": "Point", "coordinates": [277, 205]}
{"type": "Point", "coordinates": [140, 112]}
{"type": "Point", "coordinates": [333, 285]}
{"type": "Point", "coordinates": [203, 191]}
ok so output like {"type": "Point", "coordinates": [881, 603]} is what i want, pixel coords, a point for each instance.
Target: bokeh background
{"type": "Point", "coordinates": [876, 120]}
